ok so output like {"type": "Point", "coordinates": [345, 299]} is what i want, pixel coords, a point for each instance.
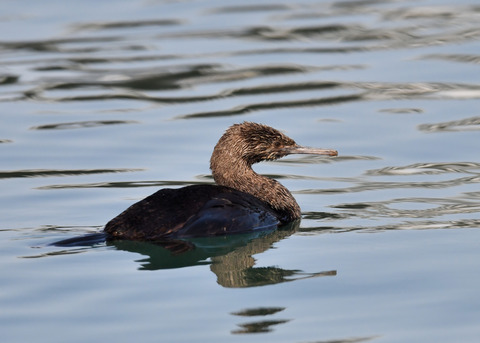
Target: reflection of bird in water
{"type": "Point", "coordinates": [237, 268]}
{"type": "Point", "coordinates": [230, 257]}
{"type": "Point", "coordinates": [242, 200]}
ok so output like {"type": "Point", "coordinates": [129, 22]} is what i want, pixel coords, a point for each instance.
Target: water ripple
{"type": "Point", "coordinates": [8, 79]}
{"type": "Point", "coordinates": [109, 25]}
{"type": "Point", "coordinates": [81, 124]}
{"type": "Point", "coordinates": [403, 225]}
{"type": "Point", "coordinates": [467, 124]}
{"type": "Point", "coordinates": [364, 186]}
{"type": "Point", "coordinates": [463, 58]}
{"type": "Point", "coordinates": [8, 174]}
{"type": "Point", "coordinates": [272, 105]}
{"type": "Point", "coordinates": [250, 8]}
{"type": "Point", "coordinates": [429, 168]}
{"type": "Point", "coordinates": [125, 184]}
{"type": "Point", "coordinates": [414, 27]}
{"type": "Point", "coordinates": [136, 87]}
{"type": "Point", "coordinates": [437, 207]}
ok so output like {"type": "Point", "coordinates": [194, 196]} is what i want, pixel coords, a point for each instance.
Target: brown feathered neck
{"type": "Point", "coordinates": [243, 145]}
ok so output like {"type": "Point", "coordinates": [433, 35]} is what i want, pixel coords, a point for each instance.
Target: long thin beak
{"type": "Point", "coordinates": [307, 150]}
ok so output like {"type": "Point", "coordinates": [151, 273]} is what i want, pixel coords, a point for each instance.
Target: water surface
{"type": "Point", "coordinates": [102, 104]}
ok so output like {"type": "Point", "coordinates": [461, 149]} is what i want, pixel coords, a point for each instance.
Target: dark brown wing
{"type": "Point", "coordinates": [193, 211]}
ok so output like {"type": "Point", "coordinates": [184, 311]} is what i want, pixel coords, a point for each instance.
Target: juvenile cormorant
{"type": "Point", "coordinates": [241, 201]}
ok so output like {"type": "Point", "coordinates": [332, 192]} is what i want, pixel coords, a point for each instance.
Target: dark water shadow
{"type": "Point", "coordinates": [261, 326]}
{"type": "Point", "coordinates": [264, 323]}
{"type": "Point", "coordinates": [8, 79]}
{"type": "Point", "coordinates": [275, 105]}
{"type": "Point", "coordinates": [27, 173]}
{"type": "Point", "coordinates": [82, 124]}
{"type": "Point", "coordinates": [258, 326]}
{"type": "Point", "coordinates": [112, 25]}
{"type": "Point", "coordinates": [126, 184]}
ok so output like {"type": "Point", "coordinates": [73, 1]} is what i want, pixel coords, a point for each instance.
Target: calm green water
{"type": "Point", "coordinates": [102, 104]}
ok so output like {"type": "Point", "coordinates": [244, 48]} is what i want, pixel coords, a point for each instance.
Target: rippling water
{"type": "Point", "coordinates": [104, 103]}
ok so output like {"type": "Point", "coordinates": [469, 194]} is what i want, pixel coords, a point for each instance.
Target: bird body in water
{"type": "Point", "coordinates": [241, 201]}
